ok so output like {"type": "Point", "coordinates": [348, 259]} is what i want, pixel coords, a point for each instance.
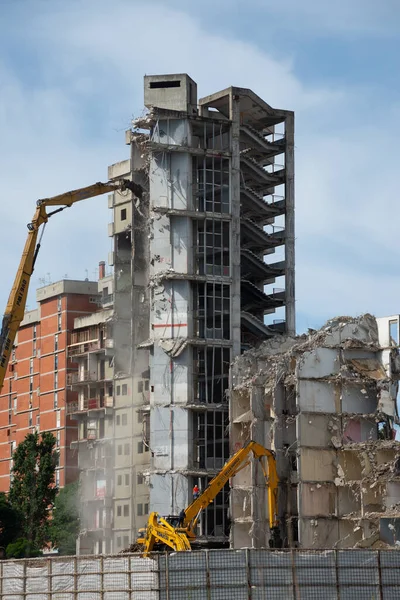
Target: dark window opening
{"type": "Point", "coordinates": [164, 84]}
{"type": "Point", "coordinates": [123, 214]}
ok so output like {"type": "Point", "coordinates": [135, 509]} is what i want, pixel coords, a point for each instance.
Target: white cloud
{"type": "Point", "coordinates": [65, 130]}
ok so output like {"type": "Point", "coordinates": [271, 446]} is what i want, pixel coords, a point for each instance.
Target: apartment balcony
{"type": "Point", "coordinates": [81, 348]}
{"type": "Point", "coordinates": [107, 300]}
{"type": "Point", "coordinates": [91, 405]}
{"type": "Point", "coordinates": [79, 377]}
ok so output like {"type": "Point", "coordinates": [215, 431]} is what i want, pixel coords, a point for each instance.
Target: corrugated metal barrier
{"type": "Point", "coordinates": [208, 575]}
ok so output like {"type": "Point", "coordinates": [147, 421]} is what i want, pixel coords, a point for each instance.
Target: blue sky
{"type": "Point", "coordinates": [71, 76]}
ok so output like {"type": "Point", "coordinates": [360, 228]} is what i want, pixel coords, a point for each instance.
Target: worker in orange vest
{"type": "Point", "coordinates": [196, 492]}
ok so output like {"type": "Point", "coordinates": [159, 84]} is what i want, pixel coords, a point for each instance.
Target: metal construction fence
{"type": "Point", "coordinates": [208, 575]}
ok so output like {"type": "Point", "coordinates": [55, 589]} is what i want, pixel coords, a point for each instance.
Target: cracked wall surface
{"type": "Point", "coordinates": [325, 403]}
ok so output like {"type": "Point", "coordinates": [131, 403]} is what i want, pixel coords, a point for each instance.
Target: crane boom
{"type": "Point", "coordinates": [15, 308]}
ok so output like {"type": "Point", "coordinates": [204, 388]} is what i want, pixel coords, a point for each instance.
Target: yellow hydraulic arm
{"type": "Point", "coordinates": [231, 467]}
{"type": "Point", "coordinates": [178, 532]}
{"type": "Point", "coordinates": [17, 300]}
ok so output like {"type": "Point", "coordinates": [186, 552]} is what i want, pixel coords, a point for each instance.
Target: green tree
{"type": "Point", "coordinates": [32, 490]}
{"type": "Point", "coordinates": [65, 524]}
{"type": "Point", "coordinates": [10, 525]}
{"type": "Point", "coordinates": [21, 548]}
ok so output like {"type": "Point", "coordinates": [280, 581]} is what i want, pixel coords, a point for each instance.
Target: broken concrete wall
{"type": "Point", "coordinates": [325, 403]}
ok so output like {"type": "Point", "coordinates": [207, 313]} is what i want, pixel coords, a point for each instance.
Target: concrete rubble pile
{"type": "Point", "coordinates": [326, 403]}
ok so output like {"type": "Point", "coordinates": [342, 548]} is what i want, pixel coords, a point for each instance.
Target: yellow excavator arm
{"type": "Point", "coordinates": [230, 469]}
{"type": "Point", "coordinates": [179, 531]}
{"type": "Point", "coordinates": [15, 308]}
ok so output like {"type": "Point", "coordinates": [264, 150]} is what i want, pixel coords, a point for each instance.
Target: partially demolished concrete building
{"type": "Point", "coordinates": [199, 259]}
{"type": "Point", "coordinates": [326, 403]}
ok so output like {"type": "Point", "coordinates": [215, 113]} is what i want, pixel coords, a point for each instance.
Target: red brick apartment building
{"type": "Point", "coordinates": [35, 392]}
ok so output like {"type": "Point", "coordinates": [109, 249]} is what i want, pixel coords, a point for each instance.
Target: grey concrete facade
{"type": "Point", "coordinates": [216, 221]}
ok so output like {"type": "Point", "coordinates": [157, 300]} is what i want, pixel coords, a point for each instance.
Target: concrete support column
{"type": "Point", "coordinates": [290, 227]}
{"type": "Point", "coordinates": [234, 109]}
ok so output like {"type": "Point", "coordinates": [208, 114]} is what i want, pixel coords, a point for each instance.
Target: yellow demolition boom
{"type": "Point", "coordinates": [178, 532]}
{"type": "Point", "coordinates": [17, 300]}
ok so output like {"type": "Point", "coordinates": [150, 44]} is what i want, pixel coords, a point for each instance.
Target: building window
{"type": "Point", "coordinates": [126, 510]}
{"type": "Point", "coordinates": [110, 390]}
{"type": "Point", "coordinates": [119, 449]}
{"type": "Point", "coordinates": [56, 362]}
{"type": "Point", "coordinates": [140, 510]}
{"type": "Point", "coordinates": [126, 449]}
{"type": "Point", "coordinates": [211, 239]}
{"type": "Point", "coordinates": [118, 419]}
{"type": "Point", "coordinates": [58, 418]}
{"type": "Point", "coordinates": [55, 399]}
{"type": "Point", "coordinates": [140, 447]}
{"type": "Point", "coordinates": [118, 542]}
{"type": "Point", "coordinates": [212, 307]}
{"type": "Point", "coordinates": [123, 214]}
{"type": "Point", "coordinates": [119, 480]}
{"type": "Point", "coordinates": [124, 389]}
{"type": "Point", "coordinates": [13, 355]}
{"type": "Point", "coordinates": [31, 384]}
{"type": "Point", "coordinates": [119, 511]}
{"type": "Point", "coordinates": [30, 366]}
{"type": "Point", "coordinates": [59, 317]}
{"type": "Point", "coordinates": [118, 390]}
{"type": "Point", "coordinates": [146, 385]}
{"type": "Point", "coordinates": [139, 478]}
{"type": "Point", "coordinates": [34, 335]}
{"type": "Point", "coordinates": [59, 304]}
{"type": "Point", "coordinates": [15, 402]}
{"type": "Point", "coordinates": [38, 422]}
{"type": "Point", "coordinates": [211, 371]}
{"type": "Point", "coordinates": [30, 419]}
{"type": "Point", "coordinates": [56, 380]}
{"type": "Point", "coordinates": [126, 541]}
{"type": "Point", "coordinates": [211, 439]}
{"type": "Point", "coordinates": [146, 509]}
{"type": "Point", "coordinates": [124, 420]}
{"type": "Point", "coordinates": [212, 178]}
{"type": "Point", "coordinates": [126, 478]}
{"type": "Point", "coordinates": [394, 333]}
{"type": "Point", "coordinates": [140, 386]}
{"type": "Point", "coordinates": [56, 342]}
{"type": "Point", "coordinates": [58, 438]}
{"type": "Point", "coordinates": [57, 478]}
